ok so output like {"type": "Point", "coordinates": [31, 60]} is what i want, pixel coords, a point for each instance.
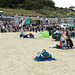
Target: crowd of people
{"type": "Point", "coordinates": [56, 31]}
{"type": "Point", "coordinates": [65, 42]}
{"type": "Point", "coordinates": [26, 36]}
{"type": "Point", "coordinates": [63, 35]}
{"type": "Point", "coordinates": [12, 27]}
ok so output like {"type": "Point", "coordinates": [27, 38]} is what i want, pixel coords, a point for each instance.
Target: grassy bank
{"type": "Point", "coordinates": [20, 12]}
{"type": "Point", "coordinates": [43, 12]}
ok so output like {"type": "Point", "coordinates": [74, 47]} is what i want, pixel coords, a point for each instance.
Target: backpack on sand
{"type": "Point", "coordinates": [43, 55]}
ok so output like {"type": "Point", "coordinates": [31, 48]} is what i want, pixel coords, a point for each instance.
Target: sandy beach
{"type": "Point", "coordinates": [16, 56]}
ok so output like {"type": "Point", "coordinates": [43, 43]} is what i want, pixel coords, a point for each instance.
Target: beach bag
{"type": "Point", "coordinates": [63, 41]}
{"type": "Point", "coordinates": [55, 36]}
{"type": "Point", "coordinates": [60, 46]}
{"type": "Point", "coordinates": [43, 55]}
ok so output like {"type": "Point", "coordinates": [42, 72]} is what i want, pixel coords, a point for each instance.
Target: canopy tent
{"type": "Point", "coordinates": [27, 21]}
{"type": "Point", "coordinates": [44, 34]}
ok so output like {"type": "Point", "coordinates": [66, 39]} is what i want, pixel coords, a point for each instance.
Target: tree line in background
{"type": "Point", "coordinates": [27, 4]}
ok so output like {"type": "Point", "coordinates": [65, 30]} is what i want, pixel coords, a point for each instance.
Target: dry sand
{"type": "Point", "coordinates": [16, 56]}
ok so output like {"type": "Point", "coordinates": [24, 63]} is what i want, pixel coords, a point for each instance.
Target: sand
{"type": "Point", "coordinates": [16, 56]}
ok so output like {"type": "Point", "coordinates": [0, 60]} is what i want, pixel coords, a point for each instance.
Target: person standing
{"type": "Point", "coordinates": [33, 29]}
{"type": "Point", "coordinates": [63, 42]}
{"type": "Point", "coordinates": [22, 32]}
{"type": "Point", "coordinates": [68, 41]}
{"type": "Point", "coordinates": [36, 29]}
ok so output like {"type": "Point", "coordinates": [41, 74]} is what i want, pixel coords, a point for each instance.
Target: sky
{"type": "Point", "coordinates": [64, 3]}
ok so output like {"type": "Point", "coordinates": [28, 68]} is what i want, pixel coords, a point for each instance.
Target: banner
{"type": "Point", "coordinates": [27, 21]}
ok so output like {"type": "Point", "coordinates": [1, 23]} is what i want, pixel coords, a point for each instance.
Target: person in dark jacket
{"type": "Point", "coordinates": [25, 36]}
{"type": "Point", "coordinates": [33, 29]}
{"type": "Point", "coordinates": [69, 42]}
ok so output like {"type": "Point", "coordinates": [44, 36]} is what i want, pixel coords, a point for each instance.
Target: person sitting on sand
{"type": "Point", "coordinates": [57, 46]}
{"type": "Point", "coordinates": [31, 35]}
{"type": "Point", "coordinates": [25, 36]}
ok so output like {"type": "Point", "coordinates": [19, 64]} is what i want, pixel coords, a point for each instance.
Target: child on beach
{"type": "Point", "coordinates": [68, 43]}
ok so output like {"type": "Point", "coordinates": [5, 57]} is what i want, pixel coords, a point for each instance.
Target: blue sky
{"type": "Point", "coordinates": [64, 3]}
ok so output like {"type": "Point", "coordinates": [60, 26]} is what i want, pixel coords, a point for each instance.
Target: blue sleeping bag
{"type": "Point", "coordinates": [44, 59]}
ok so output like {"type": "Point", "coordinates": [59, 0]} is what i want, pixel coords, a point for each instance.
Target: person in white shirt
{"type": "Point", "coordinates": [3, 28]}
{"type": "Point", "coordinates": [22, 32]}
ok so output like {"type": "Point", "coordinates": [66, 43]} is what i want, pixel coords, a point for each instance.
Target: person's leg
{"type": "Point", "coordinates": [65, 45]}
{"type": "Point", "coordinates": [23, 36]}
{"type": "Point", "coordinates": [68, 47]}
{"type": "Point", "coordinates": [71, 47]}
{"type": "Point", "coordinates": [73, 35]}
{"type": "Point", "coordinates": [62, 46]}
{"type": "Point", "coordinates": [32, 37]}
{"type": "Point", "coordinates": [3, 30]}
